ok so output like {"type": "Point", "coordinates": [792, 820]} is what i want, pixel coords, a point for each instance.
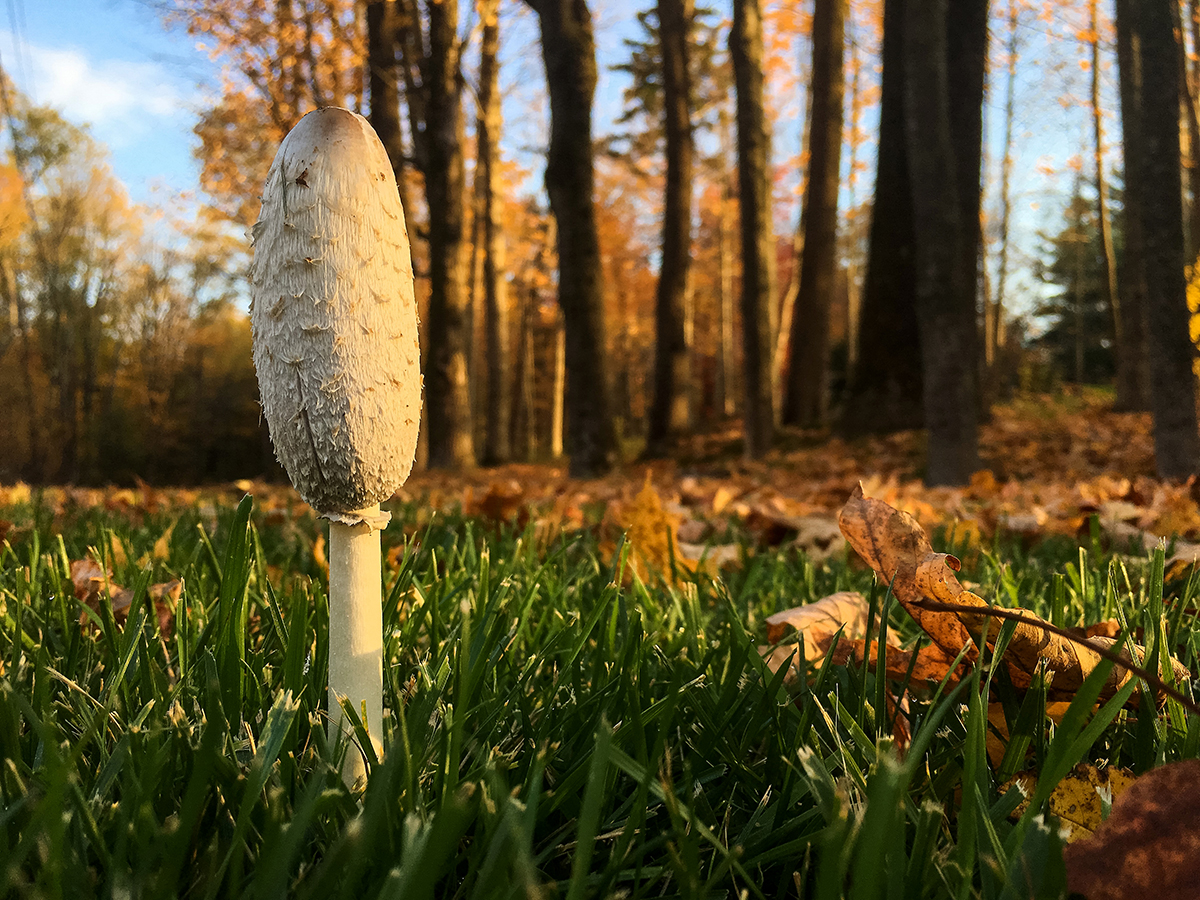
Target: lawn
{"type": "Point", "coordinates": [557, 727]}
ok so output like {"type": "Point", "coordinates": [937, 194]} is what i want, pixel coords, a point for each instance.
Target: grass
{"type": "Point", "coordinates": [554, 732]}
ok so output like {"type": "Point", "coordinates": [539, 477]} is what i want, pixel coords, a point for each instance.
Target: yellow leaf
{"type": "Point", "coordinates": [1077, 799]}
{"type": "Point", "coordinates": [162, 547]}
{"type": "Point", "coordinates": [318, 553]}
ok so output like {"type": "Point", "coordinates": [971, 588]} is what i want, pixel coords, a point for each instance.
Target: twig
{"type": "Point", "coordinates": [1153, 680]}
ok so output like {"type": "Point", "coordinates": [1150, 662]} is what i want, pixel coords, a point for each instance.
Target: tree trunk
{"type": "Point", "coordinates": [523, 439]}
{"type": "Point", "coordinates": [1112, 294]}
{"type": "Point", "coordinates": [1191, 80]}
{"type": "Point", "coordinates": [1189, 138]}
{"type": "Point", "coordinates": [382, 39]}
{"type": "Point", "coordinates": [569, 53]}
{"type": "Point", "coordinates": [1172, 395]}
{"type": "Point", "coordinates": [558, 397]}
{"type": "Point", "coordinates": [994, 337]}
{"type": "Point", "coordinates": [725, 275]}
{"type": "Point", "coordinates": [758, 242]}
{"type": "Point", "coordinates": [781, 341]}
{"type": "Point", "coordinates": [496, 447]}
{"type": "Point", "coordinates": [1133, 377]}
{"type": "Point", "coordinates": [885, 387]}
{"type": "Point", "coordinates": [808, 389]}
{"type": "Point", "coordinates": [669, 411]}
{"type": "Point", "coordinates": [447, 390]}
{"type": "Point", "coordinates": [940, 162]}
{"type": "Point", "coordinates": [966, 60]}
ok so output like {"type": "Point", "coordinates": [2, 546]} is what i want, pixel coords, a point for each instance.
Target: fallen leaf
{"type": "Point", "coordinates": [819, 537]}
{"type": "Point", "coordinates": [892, 543]}
{"type": "Point", "coordinates": [1149, 847]}
{"type": "Point", "coordinates": [818, 622]}
{"type": "Point", "coordinates": [1077, 798]}
{"type": "Point", "coordinates": [895, 546]}
{"type": "Point", "coordinates": [162, 547]}
{"type": "Point", "coordinates": [318, 554]}
{"type": "Point", "coordinates": [503, 503]}
{"type": "Point", "coordinates": [649, 529]}
{"type": "Point", "coordinates": [91, 582]}
{"type": "Point", "coordinates": [719, 555]}
{"type": "Point", "coordinates": [930, 666]}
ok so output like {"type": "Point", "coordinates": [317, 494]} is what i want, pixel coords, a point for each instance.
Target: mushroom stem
{"type": "Point", "coordinates": [356, 633]}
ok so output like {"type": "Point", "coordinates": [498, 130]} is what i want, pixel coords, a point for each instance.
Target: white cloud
{"type": "Point", "coordinates": [122, 99]}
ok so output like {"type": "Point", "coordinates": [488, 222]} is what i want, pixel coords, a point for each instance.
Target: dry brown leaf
{"type": "Point", "coordinates": [1076, 801]}
{"type": "Point", "coordinates": [120, 558]}
{"type": "Point", "coordinates": [719, 556]}
{"type": "Point", "coordinates": [1149, 846]}
{"type": "Point", "coordinates": [819, 537]}
{"type": "Point", "coordinates": [505, 501]}
{"type": "Point", "coordinates": [997, 732]}
{"type": "Point", "coordinates": [821, 620]}
{"type": "Point", "coordinates": [91, 582]}
{"type": "Point", "coordinates": [847, 610]}
{"type": "Point", "coordinates": [892, 543]}
{"type": "Point", "coordinates": [896, 547]}
{"type": "Point", "coordinates": [162, 547]}
{"type": "Point", "coordinates": [930, 667]}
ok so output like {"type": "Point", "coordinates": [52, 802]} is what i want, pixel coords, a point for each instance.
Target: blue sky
{"type": "Point", "coordinates": [111, 64]}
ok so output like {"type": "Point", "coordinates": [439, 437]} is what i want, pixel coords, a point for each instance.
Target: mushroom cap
{"type": "Point", "coordinates": [334, 317]}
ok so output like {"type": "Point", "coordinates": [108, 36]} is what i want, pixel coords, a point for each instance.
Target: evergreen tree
{"type": "Point", "coordinates": [1078, 335]}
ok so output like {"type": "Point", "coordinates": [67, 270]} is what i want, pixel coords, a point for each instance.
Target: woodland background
{"type": "Point", "coordinates": [674, 276]}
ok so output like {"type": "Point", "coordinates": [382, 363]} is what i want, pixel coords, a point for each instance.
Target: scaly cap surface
{"type": "Point", "coordinates": [334, 317]}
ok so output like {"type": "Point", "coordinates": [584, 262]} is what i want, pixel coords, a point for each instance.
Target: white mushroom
{"type": "Point", "coordinates": [334, 320]}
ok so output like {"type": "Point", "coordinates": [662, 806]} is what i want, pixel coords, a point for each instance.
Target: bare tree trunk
{"type": "Point", "coordinates": [1112, 294]}
{"type": "Point", "coordinates": [669, 411]}
{"type": "Point", "coordinates": [1133, 377]}
{"type": "Point", "coordinates": [781, 343]}
{"type": "Point", "coordinates": [496, 447]}
{"type": "Point", "coordinates": [558, 398]}
{"type": "Point", "coordinates": [447, 387]}
{"type": "Point", "coordinates": [1173, 394]}
{"type": "Point", "coordinates": [383, 83]}
{"type": "Point", "coordinates": [569, 53]}
{"type": "Point", "coordinates": [1190, 138]}
{"type": "Point", "coordinates": [758, 242]}
{"type": "Point", "coordinates": [885, 387]}
{"type": "Point", "coordinates": [994, 337]}
{"type": "Point", "coordinates": [808, 376]}
{"type": "Point", "coordinates": [523, 438]}
{"type": "Point", "coordinates": [853, 287]}
{"type": "Point", "coordinates": [725, 262]}
{"type": "Point", "coordinates": [945, 286]}
{"type": "Point", "coordinates": [966, 61]}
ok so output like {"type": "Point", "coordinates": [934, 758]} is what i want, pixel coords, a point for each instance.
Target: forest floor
{"type": "Point", "coordinates": [1048, 465]}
